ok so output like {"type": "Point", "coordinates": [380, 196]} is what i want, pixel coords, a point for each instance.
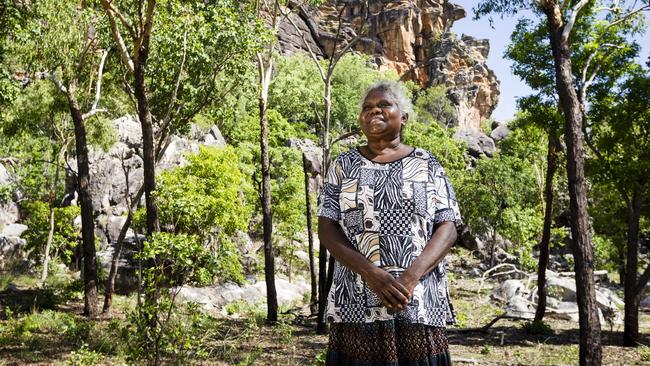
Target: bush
{"type": "Point", "coordinates": [65, 233]}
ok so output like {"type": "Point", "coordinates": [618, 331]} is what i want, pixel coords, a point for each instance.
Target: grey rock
{"type": "Point", "coordinates": [500, 133]}
{"type": "Point", "coordinates": [9, 213]}
{"type": "Point", "coordinates": [508, 289]}
{"type": "Point", "coordinates": [216, 297]}
{"type": "Point", "coordinates": [520, 307]}
{"type": "Point", "coordinates": [14, 230]}
{"type": "Point", "coordinates": [477, 142]}
{"type": "Point", "coordinates": [129, 131]}
{"type": "Point", "coordinates": [5, 176]}
{"type": "Point", "coordinates": [645, 303]}
{"type": "Point", "coordinates": [12, 252]}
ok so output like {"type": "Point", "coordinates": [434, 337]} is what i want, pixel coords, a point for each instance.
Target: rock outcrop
{"type": "Point", "coordinates": [412, 37]}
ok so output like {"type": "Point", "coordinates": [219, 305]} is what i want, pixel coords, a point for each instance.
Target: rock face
{"type": "Point", "coordinates": [411, 37]}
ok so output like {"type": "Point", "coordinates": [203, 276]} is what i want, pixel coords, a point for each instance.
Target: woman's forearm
{"type": "Point", "coordinates": [391, 292]}
{"type": "Point", "coordinates": [335, 241]}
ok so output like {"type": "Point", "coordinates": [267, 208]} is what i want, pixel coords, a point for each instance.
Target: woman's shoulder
{"type": "Point", "coordinates": [425, 154]}
{"type": "Point", "coordinates": [347, 156]}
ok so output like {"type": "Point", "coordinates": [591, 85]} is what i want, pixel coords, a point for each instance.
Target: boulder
{"type": "Point", "coordinates": [129, 131]}
{"type": "Point", "coordinates": [645, 303]}
{"type": "Point", "coordinates": [12, 252]}
{"type": "Point", "coordinates": [520, 307]}
{"type": "Point", "coordinates": [477, 142]}
{"type": "Point", "coordinates": [13, 230]}
{"type": "Point", "coordinates": [218, 296]}
{"type": "Point", "coordinates": [500, 132]}
{"type": "Point", "coordinates": [508, 289]}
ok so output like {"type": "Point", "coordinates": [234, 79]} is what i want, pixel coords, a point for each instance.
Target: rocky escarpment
{"type": "Point", "coordinates": [412, 37]}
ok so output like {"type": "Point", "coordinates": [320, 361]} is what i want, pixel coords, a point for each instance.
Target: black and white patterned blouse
{"type": "Point", "coordinates": [388, 212]}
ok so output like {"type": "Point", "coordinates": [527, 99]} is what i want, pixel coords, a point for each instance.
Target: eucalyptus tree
{"type": "Point", "coordinates": [560, 18]}
{"type": "Point", "coordinates": [620, 141]}
{"type": "Point", "coordinates": [74, 61]}
{"type": "Point", "coordinates": [179, 58]}
{"type": "Point", "coordinates": [602, 54]}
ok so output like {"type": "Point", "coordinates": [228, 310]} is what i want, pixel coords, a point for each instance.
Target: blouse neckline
{"type": "Point", "coordinates": [358, 150]}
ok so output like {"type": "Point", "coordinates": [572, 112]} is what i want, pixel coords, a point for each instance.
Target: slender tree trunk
{"type": "Point", "coordinates": [310, 237]}
{"type": "Point", "coordinates": [148, 152]}
{"type": "Point", "coordinates": [631, 328]}
{"type": "Point", "coordinates": [87, 223]}
{"type": "Point", "coordinates": [324, 280]}
{"type": "Point", "coordinates": [267, 220]}
{"type": "Point", "coordinates": [546, 233]}
{"type": "Point", "coordinates": [50, 232]}
{"type": "Point", "coordinates": [590, 335]}
{"type": "Point", "coordinates": [115, 260]}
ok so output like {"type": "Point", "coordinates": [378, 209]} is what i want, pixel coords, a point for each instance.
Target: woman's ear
{"type": "Point", "coordinates": [405, 117]}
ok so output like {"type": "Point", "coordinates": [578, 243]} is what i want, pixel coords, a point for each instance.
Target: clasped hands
{"type": "Point", "coordinates": [394, 293]}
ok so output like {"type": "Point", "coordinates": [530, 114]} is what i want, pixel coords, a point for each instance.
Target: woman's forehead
{"type": "Point", "coordinates": [379, 94]}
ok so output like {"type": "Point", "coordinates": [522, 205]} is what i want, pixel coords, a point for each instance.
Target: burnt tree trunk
{"type": "Point", "coordinates": [632, 299]}
{"type": "Point", "coordinates": [310, 237]}
{"type": "Point", "coordinates": [87, 223]}
{"type": "Point", "coordinates": [590, 334]}
{"type": "Point", "coordinates": [551, 164]}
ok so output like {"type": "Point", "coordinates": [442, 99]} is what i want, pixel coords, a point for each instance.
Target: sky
{"type": "Point", "coordinates": [511, 86]}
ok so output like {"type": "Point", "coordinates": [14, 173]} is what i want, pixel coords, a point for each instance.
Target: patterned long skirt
{"type": "Point", "coordinates": [387, 343]}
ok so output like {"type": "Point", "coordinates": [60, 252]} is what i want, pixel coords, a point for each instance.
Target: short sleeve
{"type": "Point", "coordinates": [446, 206]}
{"type": "Point", "coordinates": [328, 202]}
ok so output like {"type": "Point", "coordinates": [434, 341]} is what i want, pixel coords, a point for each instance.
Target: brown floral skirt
{"type": "Point", "coordinates": [387, 343]}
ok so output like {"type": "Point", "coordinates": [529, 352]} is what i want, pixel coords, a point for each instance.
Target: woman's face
{"type": "Point", "coordinates": [380, 116]}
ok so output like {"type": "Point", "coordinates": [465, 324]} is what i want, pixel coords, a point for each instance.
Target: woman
{"type": "Point", "coordinates": [388, 215]}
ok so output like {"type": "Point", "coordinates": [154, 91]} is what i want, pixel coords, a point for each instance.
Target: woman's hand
{"type": "Point", "coordinates": [409, 281]}
{"type": "Point", "coordinates": [393, 294]}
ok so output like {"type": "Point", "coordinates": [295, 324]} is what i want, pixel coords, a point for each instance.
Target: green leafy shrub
{"type": "Point", "coordinates": [157, 328]}
{"type": "Point", "coordinates": [65, 235]}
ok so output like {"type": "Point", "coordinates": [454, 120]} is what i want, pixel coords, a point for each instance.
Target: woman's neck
{"type": "Point", "coordinates": [383, 147]}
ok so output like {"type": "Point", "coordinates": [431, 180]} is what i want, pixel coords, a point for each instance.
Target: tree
{"type": "Point", "coordinates": [180, 59]}
{"type": "Point", "coordinates": [561, 18]}
{"type": "Point", "coordinates": [70, 59]}
{"type": "Point", "coordinates": [619, 141]}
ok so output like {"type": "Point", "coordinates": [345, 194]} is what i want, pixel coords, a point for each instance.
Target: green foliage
{"type": "Point", "coordinates": [295, 87]}
{"type": "Point", "coordinates": [65, 235]}
{"type": "Point", "coordinates": [320, 358]}
{"type": "Point", "coordinates": [502, 194]}
{"type": "Point", "coordinates": [210, 44]}
{"type": "Point", "coordinates": [83, 357]}
{"type": "Point", "coordinates": [440, 142]}
{"type": "Point", "coordinates": [433, 106]}
{"type": "Point", "coordinates": [157, 328]}
{"type": "Point", "coordinates": [229, 267]}
{"type": "Point", "coordinates": [204, 195]}
{"type": "Point", "coordinates": [174, 260]}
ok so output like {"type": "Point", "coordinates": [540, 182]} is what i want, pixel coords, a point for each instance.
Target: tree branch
{"type": "Point", "coordinates": [58, 82]}
{"type": "Point", "coordinates": [172, 99]}
{"type": "Point", "coordinates": [98, 88]}
{"type": "Point", "coordinates": [629, 15]}
{"type": "Point", "coordinates": [568, 27]}
{"type": "Point", "coordinates": [117, 36]}
{"type": "Point", "coordinates": [345, 136]}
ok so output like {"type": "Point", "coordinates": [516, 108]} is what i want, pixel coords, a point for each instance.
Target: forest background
{"type": "Point", "coordinates": [220, 137]}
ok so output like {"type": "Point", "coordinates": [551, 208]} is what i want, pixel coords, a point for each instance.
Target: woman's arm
{"type": "Point", "coordinates": [392, 293]}
{"type": "Point", "coordinates": [442, 239]}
